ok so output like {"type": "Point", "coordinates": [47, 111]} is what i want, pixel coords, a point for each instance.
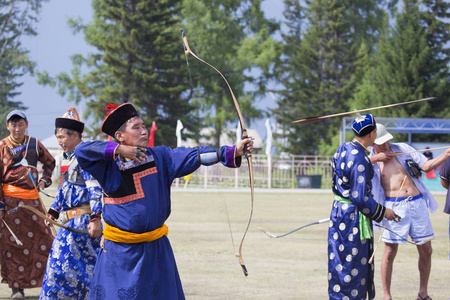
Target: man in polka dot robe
{"type": "Point", "coordinates": [350, 238]}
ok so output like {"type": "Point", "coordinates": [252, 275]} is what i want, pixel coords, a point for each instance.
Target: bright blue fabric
{"type": "Point", "coordinates": [350, 276]}
{"type": "Point", "coordinates": [72, 258]}
{"type": "Point", "coordinates": [145, 270]}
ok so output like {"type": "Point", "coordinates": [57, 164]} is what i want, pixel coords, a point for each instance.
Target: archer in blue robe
{"type": "Point", "coordinates": [138, 201]}
{"type": "Point", "coordinates": [350, 276]}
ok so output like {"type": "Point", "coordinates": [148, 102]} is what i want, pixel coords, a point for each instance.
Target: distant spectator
{"type": "Point", "coordinates": [428, 154]}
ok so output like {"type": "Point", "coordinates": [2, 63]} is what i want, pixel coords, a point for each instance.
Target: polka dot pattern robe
{"type": "Point", "coordinates": [350, 276]}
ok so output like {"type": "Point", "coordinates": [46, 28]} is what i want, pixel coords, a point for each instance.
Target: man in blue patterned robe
{"type": "Point", "coordinates": [137, 261]}
{"type": "Point", "coordinates": [72, 258]}
{"type": "Point", "coordinates": [350, 238]}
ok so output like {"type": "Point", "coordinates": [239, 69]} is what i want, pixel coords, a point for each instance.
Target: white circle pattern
{"type": "Point", "coordinates": [361, 168]}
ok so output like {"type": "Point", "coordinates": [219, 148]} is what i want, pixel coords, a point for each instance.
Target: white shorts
{"type": "Point", "coordinates": [415, 220]}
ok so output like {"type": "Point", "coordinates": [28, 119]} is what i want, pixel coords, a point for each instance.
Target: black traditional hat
{"type": "Point", "coordinates": [116, 116]}
{"type": "Point", "coordinates": [364, 124]}
{"type": "Point", "coordinates": [70, 120]}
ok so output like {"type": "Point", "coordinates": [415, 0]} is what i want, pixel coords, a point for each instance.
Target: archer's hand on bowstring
{"type": "Point", "coordinates": [390, 215]}
{"type": "Point", "coordinates": [244, 146]}
{"type": "Point", "coordinates": [131, 152]}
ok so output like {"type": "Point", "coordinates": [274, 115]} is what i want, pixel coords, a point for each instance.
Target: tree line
{"type": "Point", "coordinates": [323, 57]}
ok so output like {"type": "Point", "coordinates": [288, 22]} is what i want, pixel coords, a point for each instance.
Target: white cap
{"type": "Point", "coordinates": [382, 135]}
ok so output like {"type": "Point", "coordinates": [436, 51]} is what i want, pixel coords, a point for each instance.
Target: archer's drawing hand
{"type": "Point", "coordinates": [244, 146]}
{"type": "Point", "coordinates": [132, 152]}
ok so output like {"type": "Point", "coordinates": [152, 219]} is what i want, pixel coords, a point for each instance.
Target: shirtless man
{"type": "Point", "coordinates": [411, 203]}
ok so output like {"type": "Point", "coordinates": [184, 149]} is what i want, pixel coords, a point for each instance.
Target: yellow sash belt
{"type": "Point", "coordinates": [116, 235]}
{"type": "Point", "coordinates": [17, 192]}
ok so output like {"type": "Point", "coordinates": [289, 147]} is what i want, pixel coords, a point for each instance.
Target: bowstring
{"type": "Point", "coordinates": [195, 96]}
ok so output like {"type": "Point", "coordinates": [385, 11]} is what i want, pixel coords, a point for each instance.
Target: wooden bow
{"type": "Point", "coordinates": [269, 234]}
{"type": "Point", "coordinates": [244, 136]}
{"type": "Point", "coordinates": [39, 214]}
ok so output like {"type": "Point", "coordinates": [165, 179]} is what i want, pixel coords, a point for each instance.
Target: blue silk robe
{"type": "Point", "coordinates": [144, 270]}
{"type": "Point", "coordinates": [70, 265]}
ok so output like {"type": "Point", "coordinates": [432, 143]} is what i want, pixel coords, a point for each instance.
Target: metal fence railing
{"type": "Point", "coordinates": [309, 171]}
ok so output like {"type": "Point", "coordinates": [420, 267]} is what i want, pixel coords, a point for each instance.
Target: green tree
{"type": "Point", "coordinates": [411, 62]}
{"type": "Point", "coordinates": [319, 59]}
{"type": "Point", "coordinates": [17, 18]}
{"type": "Point", "coordinates": [138, 60]}
{"type": "Point", "coordinates": [235, 37]}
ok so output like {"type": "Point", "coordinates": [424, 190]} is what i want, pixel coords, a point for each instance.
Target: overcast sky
{"type": "Point", "coordinates": [52, 48]}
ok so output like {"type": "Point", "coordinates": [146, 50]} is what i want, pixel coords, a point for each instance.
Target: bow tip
{"type": "Point", "coordinates": [182, 32]}
{"type": "Point", "coordinates": [244, 269]}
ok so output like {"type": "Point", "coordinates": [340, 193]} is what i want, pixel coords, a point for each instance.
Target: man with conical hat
{"type": "Point", "coordinates": [350, 237]}
{"type": "Point", "coordinates": [77, 204]}
{"type": "Point", "coordinates": [137, 261]}
{"type": "Point", "coordinates": [23, 266]}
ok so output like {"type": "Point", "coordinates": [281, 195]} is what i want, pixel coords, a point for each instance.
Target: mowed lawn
{"type": "Point", "coordinates": [292, 267]}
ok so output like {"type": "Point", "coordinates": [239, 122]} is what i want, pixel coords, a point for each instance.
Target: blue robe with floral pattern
{"type": "Point", "coordinates": [72, 258]}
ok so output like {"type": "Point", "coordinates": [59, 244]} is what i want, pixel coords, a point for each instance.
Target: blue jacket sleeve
{"type": "Point", "coordinates": [187, 160]}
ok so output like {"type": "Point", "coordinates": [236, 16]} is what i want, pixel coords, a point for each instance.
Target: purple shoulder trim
{"type": "Point", "coordinates": [109, 151]}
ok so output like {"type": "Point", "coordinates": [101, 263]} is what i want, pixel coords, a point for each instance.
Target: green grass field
{"type": "Point", "coordinates": [293, 267]}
